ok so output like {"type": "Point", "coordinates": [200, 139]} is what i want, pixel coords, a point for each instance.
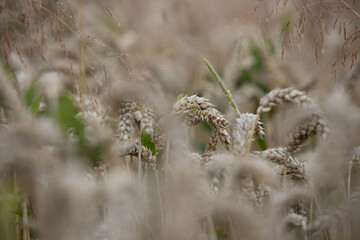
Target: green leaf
{"type": "Point", "coordinates": [67, 111]}
{"type": "Point", "coordinates": [256, 53]}
{"type": "Point", "coordinates": [207, 126]}
{"type": "Point", "coordinates": [35, 106]}
{"type": "Point", "coordinates": [245, 77]}
{"type": "Point", "coordinates": [66, 116]}
{"type": "Point", "coordinates": [146, 142]}
{"type": "Point", "coordinates": [261, 144]}
{"type": "Point", "coordinates": [29, 96]}
{"type": "Point", "coordinates": [199, 145]}
{"type": "Point", "coordinates": [97, 152]}
{"type": "Point", "coordinates": [32, 99]}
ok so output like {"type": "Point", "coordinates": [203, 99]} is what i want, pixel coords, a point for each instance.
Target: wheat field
{"type": "Point", "coordinates": [179, 119]}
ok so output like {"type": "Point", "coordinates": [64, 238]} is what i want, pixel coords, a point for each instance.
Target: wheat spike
{"type": "Point", "coordinates": [246, 125]}
{"type": "Point", "coordinates": [201, 110]}
{"type": "Point", "coordinates": [146, 155]}
{"type": "Point", "coordinates": [126, 126]}
{"type": "Point", "coordinates": [248, 191]}
{"type": "Point", "coordinates": [144, 117]}
{"type": "Point", "coordinates": [132, 115]}
{"type": "Point", "coordinates": [212, 142]}
{"type": "Point", "coordinates": [187, 104]}
{"type": "Point", "coordinates": [286, 163]}
{"type": "Point", "coordinates": [216, 120]}
{"type": "Point", "coordinates": [126, 119]}
{"type": "Point", "coordinates": [316, 126]}
{"type": "Point", "coordinates": [334, 216]}
{"type": "Point", "coordinates": [287, 95]}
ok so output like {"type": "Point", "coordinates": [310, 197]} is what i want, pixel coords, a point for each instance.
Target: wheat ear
{"type": "Point", "coordinates": [244, 129]}
{"type": "Point", "coordinates": [286, 164]}
{"type": "Point", "coordinates": [200, 109]}
{"type": "Point", "coordinates": [316, 125]}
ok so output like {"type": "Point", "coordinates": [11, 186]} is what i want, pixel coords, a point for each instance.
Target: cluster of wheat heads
{"type": "Point", "coordinates": [98, 163]}
{"type": "Point", "coordinates": [230, 192]}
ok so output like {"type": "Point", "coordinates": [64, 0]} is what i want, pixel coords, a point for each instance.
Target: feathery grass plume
{"type": "Point", "coordinates": [197, 159]}
{"type": "Point", "coordinates": [202, 160]}
{"type": "Point", "coordinates": [353, 76]}
{"type": "Point", "coordinates": [183, 216]}
{"type": "Point", "coordinates": [263, 198]}
{"type": "Point", "coordinates": [198, 110]}
{"type": "Point", "coordinates": [9, 100]}
{"type": "Point", "coordinates": [355, 158]}
{"type": "Point", "coordinates": [259, 170]}
{"type": "Point", "coordinates": [290, 202]}
{"type": "Point", "coordinates": [90, 117]}
{"type": "Point", "coordinates": [29, 163]}
{"type": "Point", "coordinates": [326, 167]}
{"type": "Point", "coordinates": [217, 169]}
{"type": "Point", "coordinates": [339, 215]}
{"type": "Point", "coordinates": [217, 181]}
{"type": "Point", "coordinates": [63, 200]}
{"type": "Point", "coordinates": [245, 177]}
{"type": "Point", "coordinates": [126, 207]}
{"type": "Point", "coordinates": [243, 131]}
{"type": "Point", "coordinates": [248, 191]}
{"type": "Point", "coordinates": [237, 221]}
{"type": "Point", "coordinates": [46, 192]}
{"type": "Point", "coordinates": [286, 163]}
{"type": "Point", "coordinates": [293, 220]}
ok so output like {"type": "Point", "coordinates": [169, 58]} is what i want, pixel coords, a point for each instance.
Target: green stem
{"type": "Point", "coordinates": [222, 85]}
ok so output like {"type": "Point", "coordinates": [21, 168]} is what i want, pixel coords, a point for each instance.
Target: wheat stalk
{"type": "Point", "coordinates": [222, 85]}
